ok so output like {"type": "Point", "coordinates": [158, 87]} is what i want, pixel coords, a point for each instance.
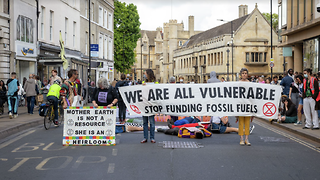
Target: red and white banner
{"type": "Point", "coordinates": [214, 99]}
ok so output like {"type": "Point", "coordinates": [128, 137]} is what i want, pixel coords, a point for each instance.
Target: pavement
{"type": "Point", "coordinates": [24, 121]}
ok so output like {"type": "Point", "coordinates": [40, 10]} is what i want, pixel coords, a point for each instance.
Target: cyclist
{"type": "Point", "coordinates": [54, 95]}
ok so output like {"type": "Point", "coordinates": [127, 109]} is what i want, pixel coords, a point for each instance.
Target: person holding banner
{"type": "Point", "coordinates": [105, 94]}
{"type": "Point", "coordinates": [244, 120]}
{"type": "Point", "coordinates": [150, 79]}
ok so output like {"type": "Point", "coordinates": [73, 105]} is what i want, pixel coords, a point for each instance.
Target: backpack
{"type": "Point", "coordinates": [43, 109]}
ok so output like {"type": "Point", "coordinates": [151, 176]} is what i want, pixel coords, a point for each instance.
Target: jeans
{"type": "Point", "coordinates": [122, 110]}
{"type": "Point", "coordinates": [30, 104]}
{"type": "Point", "coordinates": [145, 126]}
{"type": "Point", "coordinates": [55, 105]}
{"type": "Point", "coordinates": [13, 104]}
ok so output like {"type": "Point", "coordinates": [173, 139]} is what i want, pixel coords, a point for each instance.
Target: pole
{"type": "Point", "coordinates": [149, 56]}
{"type": "Point", "coordinates": [89, 74]}
{"type": "Point", "coordinates": [232, 48]}
{"type": "Point", "coordinates": [284, 64]}
{"type": "Point", "coordinates": [228, 64]}
{"type": "Point", "coordinates": [37, 36]}
{"type": "Point", "coordinates": [141, 58]}
{"type": "Point", "coordinates": [271, 34]}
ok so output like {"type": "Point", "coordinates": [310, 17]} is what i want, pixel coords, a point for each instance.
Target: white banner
{"type": "Point", "coordinates": [89, 126]}
{"type": "Point", "coordinates": [214, 99]}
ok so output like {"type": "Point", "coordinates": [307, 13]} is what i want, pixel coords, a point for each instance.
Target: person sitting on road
{"type": "Point", "coordinates": [289, 112]}
{"type": "Point", "coordinates": [54, 95]}
{"type": "Point", "coordinates": [220, 123]}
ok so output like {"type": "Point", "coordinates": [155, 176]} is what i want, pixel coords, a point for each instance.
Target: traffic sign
{"type": "Point", "coordinates": [94, 50]}
{"type": "Point", "coordinates": [271, 64]}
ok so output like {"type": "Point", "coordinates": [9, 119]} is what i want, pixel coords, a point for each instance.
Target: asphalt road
{"type": "Point", "coordinates": [38, 154]}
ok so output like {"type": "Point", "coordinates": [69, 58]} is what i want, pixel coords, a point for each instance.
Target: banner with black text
{"type": "Point", "coordinates": [214, 99]}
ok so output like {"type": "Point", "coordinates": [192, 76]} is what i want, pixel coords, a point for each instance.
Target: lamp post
{"type": "Point", "coordinates": [228, 64]}
{"type": "Point", "coordinates": [231, 23]}
{"type": "Point", "coordinates": [141, 58]}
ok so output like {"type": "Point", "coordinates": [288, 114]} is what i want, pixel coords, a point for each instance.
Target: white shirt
{"type": "Point", "coordinates": [215, 119]}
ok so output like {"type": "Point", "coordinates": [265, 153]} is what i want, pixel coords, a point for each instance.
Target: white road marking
{"type": "Point", "coordinates": [111, 168]}
{"type": "Point", "coordinates": [16, 139]}
{"type": "Point", "coordinates": [114, 152]}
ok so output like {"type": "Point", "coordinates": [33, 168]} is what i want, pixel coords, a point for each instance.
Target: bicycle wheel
{"type": "Point", "coordinates": [48, 118]}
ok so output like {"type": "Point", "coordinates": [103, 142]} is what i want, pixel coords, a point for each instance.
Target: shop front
{"type": "Point", "coordinates": [26, 59]}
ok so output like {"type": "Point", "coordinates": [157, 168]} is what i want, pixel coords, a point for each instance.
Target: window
{"type": "Point", "coordinates": [100, 45]}
{"type": "Point", "coordinates": [86, 8]}
{"type": "Point", "coordinates": [6, 6]}
{"type": "Point", "coordinates": [151, 64]}
{"type": "Point", "coordinates": [110, 48]}
{"type": "Point", "coordinates": [221, 58]}
{"type": "Point", "coordinates": [92, 12]}
{"type": "Point", "coordinates": [51, 26]}
{"type": "Point", "coordinates": [180, 43]}
{"type": "Point", "coordinates": [247, 57]}
{"type": "Point", "coordinates": [261, 57]}
{"type": "Point", "coordinates": [86, 43]}
{"type": "Point", "coordinates": [144, 59]}
{"type": "Point", "coordinates": [74, 34]}
{"type": "Point", "coordinates": [110, 22]}
{"type": "Point", "coordinates": [256, 57]}
{"type": "Point", "coordinates": [284, 12]}
{"type": "Point", "coordinates": [105, 47]}
{"type": "Point", "coordinates": [145, 46]}
{"type": "Point", "coordinates": [101, 16]}
{"type": "Point", "coordinates": [42, 22]}
{"type": "Point", "coordinates": [65, 31]}
{"type": "Point", "coordinates": [252, 57]}
{"type": "Point", "coordinates": [215, 58]}
{"type": "Point", "coordinates": [24, 29]}
{"type": "Point", "coordinates": [105, 18]}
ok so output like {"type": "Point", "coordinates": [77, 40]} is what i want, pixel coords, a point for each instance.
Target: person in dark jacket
{"type": "Point", "coordinates": [105, 94]}
{"type": "Point", "coordinates": [3, 95]}
{"type": "Point", "coordinates": [289, 112]}
{"type": "Point", "coordinates": [286, 83]}
{"type": "Point", "coordinates": [121, 105]}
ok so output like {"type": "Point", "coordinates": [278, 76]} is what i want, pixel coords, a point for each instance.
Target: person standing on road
{"type": "Point", "coordinates": [310, 100]}
{"type": "Point", "coordinates": [286, 83]}
{"type": "Point", "coordinates": [150, 80]}
{"type": "Point", "coordinates": [3, 95]}
{"type": "Point", "coordinates": [31, 90]}
{"type": "Point", "coordinates": [13, 88]}
{"type": "Point", "coordinates": [300, 106]}
{"type": "Point", "coordinates": [121, 104]}
{"type": "Point", "coordinates": [105, 94]}
{"type": "Point", "coordinates": [244, 120]}
{"type": "Point", "coordinates": [54, 95]}
{"type": "Point", "coordinates": [68, 88]}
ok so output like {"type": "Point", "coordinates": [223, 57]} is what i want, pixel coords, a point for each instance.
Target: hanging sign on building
{"type": "Point", "coordinates": [89, 126]}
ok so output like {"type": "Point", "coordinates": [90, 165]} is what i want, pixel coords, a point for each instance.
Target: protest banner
{"type": "Point", "coordinates": [213, 99]}
{"type": "Point", "coordinates": [89, 126]}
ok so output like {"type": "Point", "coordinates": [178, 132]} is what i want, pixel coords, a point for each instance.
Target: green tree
{"type": "Point", "coordinates": [126, 35]}
{"type": "Point", "coordinates": [275, 19]}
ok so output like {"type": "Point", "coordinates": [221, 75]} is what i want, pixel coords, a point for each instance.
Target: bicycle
{"type": "Point", "coordinates": [49, 115]}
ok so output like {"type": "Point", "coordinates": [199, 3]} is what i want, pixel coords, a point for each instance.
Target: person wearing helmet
{"type": "Point", "coordinates": [54, 95]}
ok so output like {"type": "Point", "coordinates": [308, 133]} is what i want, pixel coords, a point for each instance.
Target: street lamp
{"type": "Point", "coordinates": [231, 43]}
{"type": "Point", "coordinates": [228, 64]}
{"type": "Point", "coordinates": [141, 58]}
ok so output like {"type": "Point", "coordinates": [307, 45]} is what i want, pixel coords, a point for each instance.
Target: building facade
{"type": "Point", "coordinates": [216, 50]}
{"type": "Point", "coordinates": [5, 53]}
{"type": "Point", "coordinates": [299, 27]}
{"type": "Point", "coordinates": [101, 16]}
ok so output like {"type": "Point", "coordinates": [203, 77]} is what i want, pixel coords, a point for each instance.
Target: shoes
{"type": "Point", "coordinates": [56, 122]}
{"type": "Point", "coordinates": [251, 128]}
{"type": "Point", "coordinates": [305, 128]}
{"type": "Point", "coordinates": [15, 116]}
{"type": "Point", "coordinates": [247, 142]}
{"type": "Point", "coordinates": [153, 141]}
{"type": "Point", "coordinates": [10, 115]}
{"type": "Point", "coordinates": [298, 123]}
{"type": "Point", "coordinates": [241, 142]}
{"type": "Point", "coordinates": [144, 141]}
{"type": "Point", "coordinates": [270, 121]}
{"type": "Point", "coordinates": [315, 128]}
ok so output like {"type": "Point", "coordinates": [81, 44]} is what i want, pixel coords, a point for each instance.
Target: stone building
{"type": "Point", "coordinates": [5, 52]}
{"type": "Point", "coordinates": [212, 50]}
{"type": "Point", "coordinates": [101, 17]}
{"type": "Point", "coordinates": [299, 27]}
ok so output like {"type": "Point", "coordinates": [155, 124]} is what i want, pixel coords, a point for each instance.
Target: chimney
{"type": "Point", "coordinates": [191, 25]}
{"type": "Point", "coordinates": [243, 10]}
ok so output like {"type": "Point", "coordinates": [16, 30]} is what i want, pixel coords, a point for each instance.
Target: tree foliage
{"type": "Point", "coordinates": [126, 35]}
{"type": "Point", "coordinates": [275, 19]}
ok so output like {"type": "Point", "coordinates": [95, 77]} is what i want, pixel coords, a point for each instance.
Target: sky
{"type": "Point", "coordinates": [153, 13]}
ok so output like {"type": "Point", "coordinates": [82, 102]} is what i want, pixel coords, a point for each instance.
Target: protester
{"type": "Point", "coordinates": [223, 80]}
{"type": "Point", "coordinates": [13, 88]}
{"type": "Point", "coordinates": [31, 90]}
{"type": "Point", "coordinates": [213, 77]}
{"type": "Point", "coordinates": [290, 74]}
{"type": "Point", "coordinates": [68, 88]}
{"type": "Point", "coordinates": [221, 124]}
{"type": "Point", "coordinates": [286, 83]}
{"type": "Point", "coordinates": [192, 81]}
{"type": "Point", "coordinates": [310, 100]}
{"type": "Point", "coordinates": [244, 120]}
{"type": "Point", "coordinates": [150, 80]}
{"type": "Point", "coordinates": [261, 80]}
{"type": "Point", "coordinates": [294, 92]}
{"type": "Point", "coordinates": [268, 80]}
{"type": "Point", "coordinates": [121, 104]}
{"type": "Point", "coordinates": [172, 80]}
{"type": "Point", "coordinates": [275, 81]}
{"type": "Point", "coordinates": [54, 76]}
{"type": "Point", "coordinates": [54, 95]}
{"type": "Point", "coordinates": [299, 80]}
{"type": "Point", "coordinates": [289, 112]}
{"type": "Point", "coordinates": [3, 96]}
{"type": "Point", "coordinates": [105, 94]}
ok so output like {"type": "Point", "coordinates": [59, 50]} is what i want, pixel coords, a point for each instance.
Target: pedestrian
{"type": "Point", "coordinates": [286, 83]}
{"type": "Point", "coordinates": [290, 74]}
{"type": "Point", "coordinates": [268, 80]}
{"type": "Point", "coordinates": [299, 81]}
{"type": "Point", "coordinates": [40, 85]}
{"type": "Point", "coordinates": [121, 104]}
{"type": "Point", "coordinates": [13, 88]}
{"type": "Point", "coordinates": [21, 93]}
{"type": "Point", "coordinates": [294, 92]}
{"type": "Point", "coordinates": [223, 80]}
{"type": "Point", "coordinates": [244, 120]}
{"type": "Point", "coordinates": [3, 96]}
{"type": "Point", "coordinates": [105, 94]}
{"type": "Point", "coordinates": [213, 77]}
{"type": "Point", "coordinates": [310, 100]}
{"type": "Point", "coordinates": [31, 90]}
{"type": "Point", "coordinates": [54, 76]}
{"type": "Point", "coordinates": [172, 80]}
{"type": "Point", "coordinates": [150, 79]}
{"type": "Point", "coordinates": [69, 89]}
{"type": "Point", "coordinates": [275, 81]}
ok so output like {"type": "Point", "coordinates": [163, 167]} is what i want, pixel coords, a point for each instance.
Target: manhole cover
{"type": "Point", "coordinates": [180, 145]}
{"type": "Point", "coordinates": [274, 139]}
